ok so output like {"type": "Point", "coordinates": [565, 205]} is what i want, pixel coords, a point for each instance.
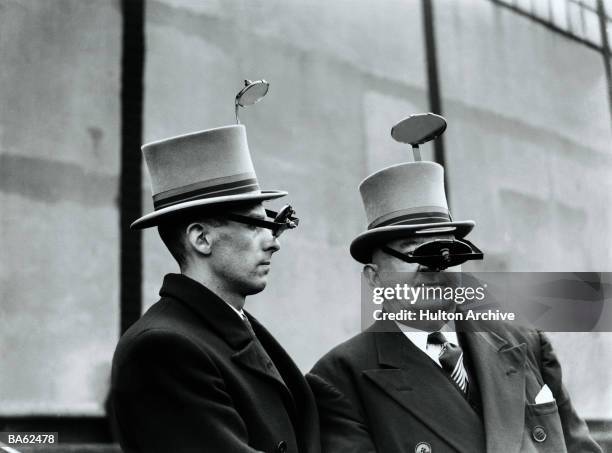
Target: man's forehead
{"type": "Point", "coordinates": [417, 240]}
{"type": "Point", "coordinates": [252, 210]}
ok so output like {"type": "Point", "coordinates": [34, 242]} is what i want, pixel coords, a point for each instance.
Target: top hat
{"type": "Point", "coordinates": [201, 169]}
{"type": "Point", "coordinates": [405, 200]}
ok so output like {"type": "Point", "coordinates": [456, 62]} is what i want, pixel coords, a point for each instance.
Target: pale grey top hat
{"type": "Point", "coordinates": [201, 169]}
{"type": "Point", "coordinates": [405, 200]}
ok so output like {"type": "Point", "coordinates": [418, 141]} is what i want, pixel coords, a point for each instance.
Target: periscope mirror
{"type": "Point", "coordinates": [418, 129]}
{"type": "Point", "coordinates": [251, 94]}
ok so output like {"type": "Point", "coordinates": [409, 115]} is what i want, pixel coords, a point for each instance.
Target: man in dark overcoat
{"type": "Point", "coordinates": [427, 387]}
{"type": "Point", "coordinates": [197, 373]}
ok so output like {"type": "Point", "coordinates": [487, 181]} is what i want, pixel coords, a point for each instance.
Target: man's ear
{"type": "Point", "coordinates": [199, 237]}
{"type": "Point", "coordinates": [371, 273]}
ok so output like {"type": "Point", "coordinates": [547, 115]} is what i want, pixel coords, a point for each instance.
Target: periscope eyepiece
{"type": "Point", "coordinates": [439, 254]}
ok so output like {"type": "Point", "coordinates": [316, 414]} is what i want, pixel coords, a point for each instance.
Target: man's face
{"type": "Point", "coordinates": [391, 271]}
{"type": "Point", "coordinates": [241, 254]}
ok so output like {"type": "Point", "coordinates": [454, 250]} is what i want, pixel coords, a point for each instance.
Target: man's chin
{"type": "Point", "coordinates": [435, 305]}
{"type": "Point", "coordinates": [256, 288]}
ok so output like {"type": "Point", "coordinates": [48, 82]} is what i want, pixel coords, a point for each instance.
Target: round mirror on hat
{"type": "Point", "coordinates": [418, 129]}
{"type": "Point", "coordinates": [251, 94]}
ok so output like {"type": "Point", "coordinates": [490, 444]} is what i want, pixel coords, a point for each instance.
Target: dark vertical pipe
{"type": "Point", "coordinates": [433, 83]}
{"type": "Point", "coordinates": [605, 45]}
{"type": "Point", "coordinates": [132, 89]}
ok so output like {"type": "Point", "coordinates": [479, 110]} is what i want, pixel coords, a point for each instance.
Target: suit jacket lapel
{"type": "Point", "coordinates": [409, 377]}
{"type": "Point", "coordinates": [500, 370]}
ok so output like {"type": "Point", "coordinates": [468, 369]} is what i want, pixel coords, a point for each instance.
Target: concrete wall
{"type": "Point", "coordinates": [59, 154]}
{"type": "Point", "coordinates": [529, 157]}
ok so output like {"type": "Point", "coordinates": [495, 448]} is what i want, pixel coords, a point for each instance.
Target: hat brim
{"type": "Point", "coordinates": [155, 217]}
{"type": "Point", "coordinates": [362, 245]}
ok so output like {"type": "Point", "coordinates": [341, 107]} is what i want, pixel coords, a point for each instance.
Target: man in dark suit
{"type": "Point", "coordinates": [426, 387]}
{"type": "Point", "coordinates": [197, 373]}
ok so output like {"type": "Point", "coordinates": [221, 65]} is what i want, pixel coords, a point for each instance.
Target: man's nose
{"type": "Point", "coordinates": [428, 269]}
{"type": "Point", "coordinates": [272, 243]}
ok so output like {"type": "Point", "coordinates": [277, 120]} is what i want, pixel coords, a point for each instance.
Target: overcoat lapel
{"type": "Point", "coordinates": [499, 367]}
{"type": "Point", "coordinates": [255, 358]}
{"type": "Point", "coordinates": [410, 378]}
{"type": "Point", "coordinates": [264, 357]}
{"type": "Point", "coordinates": [218, 315]}
{"type": "Point", "coordinates": [302, 401]}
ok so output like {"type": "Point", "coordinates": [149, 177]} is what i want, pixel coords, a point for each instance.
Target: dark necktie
{"type": "Point", "coordinates": [269, 364]}
{"type": "Point", "coordinates": [248, 325]}
{"type": "Point", "coordinates": [451, 360]}
{"type": "Point", "coordinates": [264, 354]}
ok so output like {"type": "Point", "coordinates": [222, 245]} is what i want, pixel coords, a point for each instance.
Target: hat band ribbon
{"type": "Point", "coordinates": [218, 190]}
{"type": "Point", "coordinates": [414, 218]}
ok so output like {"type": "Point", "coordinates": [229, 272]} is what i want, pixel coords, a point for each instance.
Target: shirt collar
{"type": "Point", "coordinates": [419, 337]}
{"type": "Point", "coordinates": [238, 312]}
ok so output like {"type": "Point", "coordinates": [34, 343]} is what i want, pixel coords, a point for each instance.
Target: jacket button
{"type": "Point", "coordinates": [281, 447]}
{"type": "Point", "coordinates": [539, 434]}
{"type": "Point", "coordinates": [422, 447]}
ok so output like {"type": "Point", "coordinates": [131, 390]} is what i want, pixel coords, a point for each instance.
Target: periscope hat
{"type": "Point", "coordinates": [405, 200]}
{"type": "Point", "coordinates": [208, 168]}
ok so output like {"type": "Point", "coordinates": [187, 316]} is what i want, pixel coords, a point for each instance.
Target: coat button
{"type": "Point", "coordinates": [281, 447]}
{"type": "Point", "coordinates": [422, 447]}
{"type": "Point", "coordinates": [539, 434]}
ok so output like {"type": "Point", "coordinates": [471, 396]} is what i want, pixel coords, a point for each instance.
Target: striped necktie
{"type": "Point", "coordinates": [451, 360]}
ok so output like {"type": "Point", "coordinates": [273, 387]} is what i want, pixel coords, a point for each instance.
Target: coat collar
{"type": "Point", "coordinates": [217, 314]}
{"type": "Point", "coordinates": [222, 319]}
